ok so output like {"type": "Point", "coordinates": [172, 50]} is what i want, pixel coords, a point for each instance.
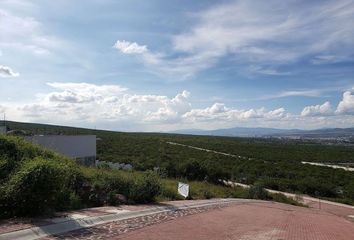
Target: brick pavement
{"type": "Point", "coordinates": [113, 229]}
{"type": "Point", "coordinates": [247, 221]}
{"type": "Point", "coordinates": [253, 221]}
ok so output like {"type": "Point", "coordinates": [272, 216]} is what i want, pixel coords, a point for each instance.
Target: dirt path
{"type": "Point", "coordinates": [208, 150]}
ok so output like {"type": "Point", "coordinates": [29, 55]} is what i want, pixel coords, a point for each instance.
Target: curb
{"type": "Point", "coordinates": [70, 225]}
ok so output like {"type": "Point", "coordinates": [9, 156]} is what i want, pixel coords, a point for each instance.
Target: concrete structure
{"type": "Point", "coordinates": [82, 148]}
{"type": "Point", "coordinates": [2, 130]}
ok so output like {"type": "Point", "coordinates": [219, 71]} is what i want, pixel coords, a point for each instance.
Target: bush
{"type": "Point", "coordinates": [145, 188]}
{"type": "Point", "coordinates": [15, 150]}
{"type": "Point", "coordinates": [278, 197]}
{"type": "Point", "coordinates": [168, 193]}
{"type": "Point", "coordinates": [257, 191]}
{"type": "Point", "coordinates": [38, 187]}
{"type": "Point", "coordinates": [207, 194]}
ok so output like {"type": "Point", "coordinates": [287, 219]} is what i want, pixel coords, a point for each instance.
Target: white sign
{"type": "Point", "coordinates": [183, 189]}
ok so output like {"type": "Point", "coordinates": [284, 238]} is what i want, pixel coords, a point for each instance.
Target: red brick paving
{"type": "Point", "coordinates": [255, 221]}
{"type": "Point", "coordinates": [247, 221]}
{"type": "Point", "coordinates": [333, 209]}
{"type": "Point", "coordinates": [113, 229]}
{"type": "Point", "coordinates": [23, 223]}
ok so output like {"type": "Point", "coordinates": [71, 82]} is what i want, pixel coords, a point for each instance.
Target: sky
{"type": "Point", "coordinates": [160, 65]}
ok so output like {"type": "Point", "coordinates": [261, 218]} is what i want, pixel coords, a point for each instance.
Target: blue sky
{"type": "Point", "coordinates": [166, 65]}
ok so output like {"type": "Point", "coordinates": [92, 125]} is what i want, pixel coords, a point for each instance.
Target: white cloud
{"type": "Point", "coordinates": [265, 34]}
{"type": "Point", "coordinates": [219, 112]}
{"type": "Point", "coordinates": [75, 102]}
{"type": "Point", "coordinates": [85, 104]}
{"type": "Point", "coordinates": [90, 103]}
{"type": "Point", "coordinates": [7, 72]}
{"type": "Point", "coordinates": [2, 109]}
{"type": "Point", "coordinates": [300, 93]}
{"type": "Point", "coordinates": [318, 110]}
{"type": "Point", "coordinates": [346, 106]}
{"type": "Point", "coordinates": [130, 47]}
{"type": "Point", "coordinates": [26, 34]}
{"type": "Point", "coordinates": [83, 92]}
{"type": "Point", "coordinates": [324, 59]}
{"type": "Point", "coordinates": [267, 71]}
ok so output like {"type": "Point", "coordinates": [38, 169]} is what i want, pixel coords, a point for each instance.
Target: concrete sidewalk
{"type": "Point", "coordinates": [85, 218]}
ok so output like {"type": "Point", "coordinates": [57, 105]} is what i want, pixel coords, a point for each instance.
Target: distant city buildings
{"type": "Point", "coordinates": [82, 148]}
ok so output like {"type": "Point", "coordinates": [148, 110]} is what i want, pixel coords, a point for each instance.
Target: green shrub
{"type": "Point", "coordinates": [207, 194]}
{"type": "Point", "coordinates": [14, 150]}
{"type": "Point", "coordinates": [278, 197]}
{"type": "Point", "coordinates": [169, 192]}
{"type": "Point", "coordinates": [145, 188]}
{"type": "Point", "coordinates": [37, 187]}
{"type": "Point", "coordinates": [257, 191]}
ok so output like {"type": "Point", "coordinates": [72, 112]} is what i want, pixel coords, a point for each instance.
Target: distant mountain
{"type": "Point", "coordinates": [268, 132]}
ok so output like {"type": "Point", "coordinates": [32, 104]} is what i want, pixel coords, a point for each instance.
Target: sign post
{"type": "Point", "coordinates": [183, 189]}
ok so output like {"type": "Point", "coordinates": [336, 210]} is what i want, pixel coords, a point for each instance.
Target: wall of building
{"type": "Point", "coordinates": [2, 130]}
{"type": "Point", "coordinates": [80, 147]}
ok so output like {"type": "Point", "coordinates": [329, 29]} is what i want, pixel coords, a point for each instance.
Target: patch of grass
{"type": "Point", "coordinates": [200, 190]}
{"type": "Point", "coordinates": [278, 197]}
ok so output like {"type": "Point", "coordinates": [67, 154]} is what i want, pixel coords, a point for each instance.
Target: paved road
{"type": "Point", "coordinates": [248, 220]}
{"type": "Point", "coordinates": [261, 221]}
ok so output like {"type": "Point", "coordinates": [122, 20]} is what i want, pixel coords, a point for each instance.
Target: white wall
{"type": "Point", "coordinates": [71, 146]}
{"type": "Point", "coordinates": [2, 129]}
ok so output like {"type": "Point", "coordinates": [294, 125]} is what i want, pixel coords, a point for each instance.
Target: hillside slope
{"type": "Point", "coordinates": [275, 163]}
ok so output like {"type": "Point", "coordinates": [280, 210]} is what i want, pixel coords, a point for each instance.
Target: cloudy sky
{"type": "Point", "coordinates": [164, 65]}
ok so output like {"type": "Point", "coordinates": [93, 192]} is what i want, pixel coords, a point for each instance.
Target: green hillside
{"type": "Point", "coordinates": [275, 164]}
{"type": "Point", "coordinates": [36, 181]}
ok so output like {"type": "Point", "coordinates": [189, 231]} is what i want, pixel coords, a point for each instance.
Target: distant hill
{"type": "Point", "coordinates": [269, 132]}
{"type": "Point", "coordinates": [34, 128]}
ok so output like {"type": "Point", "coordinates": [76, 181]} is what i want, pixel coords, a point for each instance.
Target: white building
{"type": "Point", "coordinates": [2, 130]}
{"type": "Point", "coordinates": [79, 147]}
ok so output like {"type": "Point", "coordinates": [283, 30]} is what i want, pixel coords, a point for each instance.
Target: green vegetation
{"type": "Point", "coordinates": [275, 164]}
{"type": "Point", "coordinates": [36, 181]}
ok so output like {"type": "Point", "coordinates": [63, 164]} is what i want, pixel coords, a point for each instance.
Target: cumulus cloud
{"type": "Point", "coordinates": [346, 105]}
{"type": "Point", "coordinates": [114, 105]}
{"type": "Point", "coordinates": [7, 72]}
{"type": "Point", "coordinates": [219, 112]}
{"type": "Point", "coordinates": [87, 103]}
{"type": "Point", "coordinates": [82, 92]}
{"type": "Point", "coordinates": [317, 110]}
{"type": "Point", "coordinates": [91, 102]}
{"type": "Point", "coordinates": [130, 47]}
